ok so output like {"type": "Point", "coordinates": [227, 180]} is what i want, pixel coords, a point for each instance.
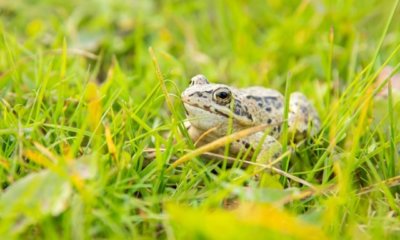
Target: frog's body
{"type": "Point", "coordinates": [211, 106]}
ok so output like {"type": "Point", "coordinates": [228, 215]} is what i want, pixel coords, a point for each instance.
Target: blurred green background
{"type": "Point", "coordinates": [239, 41]}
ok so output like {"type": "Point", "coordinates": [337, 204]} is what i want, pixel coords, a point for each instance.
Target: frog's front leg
{"type": "Point", "coordinates": [266, 147]}
{"type": "Point", "coordinates": [193, 132]}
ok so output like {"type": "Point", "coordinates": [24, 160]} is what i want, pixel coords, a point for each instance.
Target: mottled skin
{"type": "Point", "coordinates": [212, 105]}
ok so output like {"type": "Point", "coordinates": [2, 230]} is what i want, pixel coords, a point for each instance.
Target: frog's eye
{"type": "Point", "coordinates": [222, 96]}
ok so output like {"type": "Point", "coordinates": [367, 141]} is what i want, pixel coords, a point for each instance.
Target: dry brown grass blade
{"type": "Point", "coordinates": [262, 166]}
{"type": "Point", "coordinates": [307, 194]}
{"type": "Point", "coordinates": [46, 152]}
{"type": "Point", "coordinates": [248, 163]}
{"type": "Point", "coordinates": [313, 191]}
{"type": "Point", "coordinates": [391, 182]}
{"type": "Point", "coordinates": [217, 144]}
{"type": "Point", "coordinates": [205, 134]}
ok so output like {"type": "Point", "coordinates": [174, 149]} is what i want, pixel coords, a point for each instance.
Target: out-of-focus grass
{"type": "Point", "coordinates": [81, 104]}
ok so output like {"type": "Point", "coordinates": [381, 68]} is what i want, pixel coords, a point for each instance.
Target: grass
{"type": "Point", "coordinates": [91, 119]}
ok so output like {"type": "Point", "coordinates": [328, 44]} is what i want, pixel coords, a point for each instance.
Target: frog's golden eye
{"type": "Point", "coordinates": [222, 96]}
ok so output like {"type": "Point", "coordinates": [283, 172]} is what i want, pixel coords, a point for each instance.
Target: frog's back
{"type": "Point", "coordinates": [262, 92]}
{"type": "Point", "coordinates": [303, 119]}
{"type": "Point", "coordinates": [266, 107]}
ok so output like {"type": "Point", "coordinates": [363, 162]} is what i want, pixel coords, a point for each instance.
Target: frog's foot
{"type": "Point", "coordinates": [303, 119]}
{"type": "Point", "coordinates": [267, 157]}
{"type": "Point", "coordinates": [271, 150]}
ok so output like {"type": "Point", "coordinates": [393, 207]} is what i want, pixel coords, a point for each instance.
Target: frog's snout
{"type": "Point", "coordinates": [184, 97]}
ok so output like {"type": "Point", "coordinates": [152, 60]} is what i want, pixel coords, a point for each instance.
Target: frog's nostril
{"type": "Point", "coordinates": [185, 98]}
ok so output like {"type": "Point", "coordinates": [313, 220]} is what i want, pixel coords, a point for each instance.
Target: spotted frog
{"type": "Point", "coordinates": [215, 110]}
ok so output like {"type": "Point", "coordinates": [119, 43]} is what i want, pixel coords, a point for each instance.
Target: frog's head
{"type": "Point", "coordinates": [211, 105]}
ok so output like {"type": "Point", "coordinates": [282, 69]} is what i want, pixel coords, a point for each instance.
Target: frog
{"type": "Point", "coordinates": [215, 110]}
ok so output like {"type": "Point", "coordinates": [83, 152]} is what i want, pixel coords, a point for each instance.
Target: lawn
{"type": "Point", "coordinates": [92, 124]}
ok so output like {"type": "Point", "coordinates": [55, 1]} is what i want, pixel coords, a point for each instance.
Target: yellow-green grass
{"type": "Point", "coordinates": [91, 120]}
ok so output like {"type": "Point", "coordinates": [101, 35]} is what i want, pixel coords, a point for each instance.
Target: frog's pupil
{"type": "Point", "coordinates": [223, 95]}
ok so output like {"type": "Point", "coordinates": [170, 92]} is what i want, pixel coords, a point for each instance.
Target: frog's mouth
{"type": "Point", "coordinates": [190, 107]}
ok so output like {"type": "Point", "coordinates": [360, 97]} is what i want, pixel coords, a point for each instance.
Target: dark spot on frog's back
{"type": "Point", "coordinates": [242, 110]}
{"type": "Point", "coordinates": [245, 144]}
{"type": "Point", "coordinates": [237, 108]}
{"type": "Point", "coordinates": [278, 104]}
{"type": "Point", "coordinates": [274, 101]}
{"type": "Point", "coordinates": [253, 97]}
{"type": "Point", "coordinates": [258, 100]}
{"type": "Point", "coordinates": [266, 99]}
{"type": "Point", "coordinates": [238, 104]}
{"type": "Point", "coordinates": [304, 110]}
{"type": "Point", "coordinates": [237, 111]}
{"type": "Point", "coordinates": [248, 115]}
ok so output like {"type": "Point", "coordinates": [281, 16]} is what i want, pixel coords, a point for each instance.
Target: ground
{"type": "Point", "coordinates": [91, 119]}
